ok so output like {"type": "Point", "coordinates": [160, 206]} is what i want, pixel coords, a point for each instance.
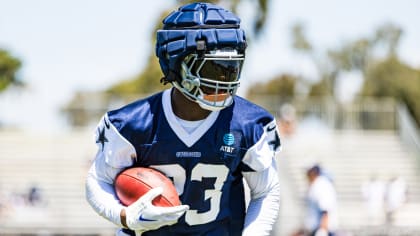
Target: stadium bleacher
{"type": "Point", "coordinates": [57, 165]}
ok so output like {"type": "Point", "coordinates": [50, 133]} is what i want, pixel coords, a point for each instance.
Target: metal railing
{"type": "Point", "coordinates": [408, 129]}
{"type": "Point", "coordinates": [369, 113]}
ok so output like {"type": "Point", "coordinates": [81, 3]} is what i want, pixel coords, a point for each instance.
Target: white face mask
{"type": "Point", "coordinates": [210, 105]}
{"type": "Point", "coordinates": [216, 106]}
{"type": "Point", "coordinates": [211, 80]}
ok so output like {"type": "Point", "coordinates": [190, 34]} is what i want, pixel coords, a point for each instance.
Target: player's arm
{"type": "Point", "coordinates": [114, 155]}
{"type": "Point", "coordinates": [141, 216]}
{"type": "Point", "coordinates": [326, 201]}
{"type": "Point", "coordinates": [324, 221]}
{"type": "Point", "coordinates": [323, 225]}
{"type": "Point", "coordinates": [101, 196]}
{"type": "Point", "coordinates": [263, 182]}
{"type": "Point", "coordinates": [264, 205]}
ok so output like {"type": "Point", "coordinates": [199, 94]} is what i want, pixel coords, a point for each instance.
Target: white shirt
{"type": "Point", "coordinates": [396, 194]}
{"type": "Point", "coordinates": [321, 197]}
{"type": "Point", "coordinates": [373, 192]}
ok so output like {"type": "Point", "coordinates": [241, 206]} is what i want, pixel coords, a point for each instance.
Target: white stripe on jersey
{"type": "Point", "coordinates": [260, 155]}
{"type": "Point", "coordinates": [117, 151]}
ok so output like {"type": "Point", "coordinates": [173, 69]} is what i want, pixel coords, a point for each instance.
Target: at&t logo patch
{"type": "Point", "coordinates": [228, 140]}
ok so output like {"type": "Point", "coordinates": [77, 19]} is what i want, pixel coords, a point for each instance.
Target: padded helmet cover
{"type": "Point", "coordinates": [196, 27]}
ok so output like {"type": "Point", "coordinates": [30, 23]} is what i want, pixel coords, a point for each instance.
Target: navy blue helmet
{"type": "Point", "coordinates": [201, 49]}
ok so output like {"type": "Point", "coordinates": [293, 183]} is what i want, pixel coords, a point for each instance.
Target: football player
{"type": "Point", "coordinates": [198, 133]}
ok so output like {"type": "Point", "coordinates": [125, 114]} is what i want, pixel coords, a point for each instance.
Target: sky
{"type": "Point", "coordinates": [66, 46]}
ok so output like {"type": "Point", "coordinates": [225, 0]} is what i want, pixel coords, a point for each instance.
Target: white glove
{"type": "Point", "coordinates": [142, 215]}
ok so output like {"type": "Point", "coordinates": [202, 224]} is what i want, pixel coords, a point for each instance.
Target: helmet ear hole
{"type": "Point", "coordinates": [188, 81]}
{"type": "Point", "coordinates": [187, 85]}
{"type": "Point", "coordinates": [190, 85]}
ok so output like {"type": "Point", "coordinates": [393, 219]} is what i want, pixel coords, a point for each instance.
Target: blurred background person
{"type": "Point", "coordinates": [321, 204]}
{"type": "Point", "coordinates": [321, 210]}
{"type": "Point", "coordinates": [373, 194]}
{"type": "Point", "coordinates": [287, 120]}
{"type": "Point", "coordinates": [395, 197]}
{"type": "Point", "coordinates": [35, 197]}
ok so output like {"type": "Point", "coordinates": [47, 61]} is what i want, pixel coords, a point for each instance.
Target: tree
{"type": "Point", "coordinates": [389, 76]}
{"type": "Point", "coordinates": [9, 66]}
{"type": "Point", "coordinates": [281, 89]}
{"type": "Point", "coordinates": [392, 78]}
{"type": "Point", "coordinates": [354, 55]}
{"type": "Point", "coordinates": [299, 39]}
{"type": "Point", "coordinates": [389, 36]}
{"type": "Point", "coordinates": [282, 86]}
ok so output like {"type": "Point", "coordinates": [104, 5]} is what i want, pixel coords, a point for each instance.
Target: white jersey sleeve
{"type": "Point", "coordinates": [264, 205]}
{"type": "Point", "coordinates": [114, 154]}
{"type": "Point", "coordinates": [263, 182]}
{"type": "Point", "coordinates": [259, 156]}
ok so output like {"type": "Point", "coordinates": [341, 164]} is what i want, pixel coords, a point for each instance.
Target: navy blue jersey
{"type": "Point", "coordinates": [206, 166]}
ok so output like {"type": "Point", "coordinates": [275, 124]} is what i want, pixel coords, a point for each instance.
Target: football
{"type": "Point", "coordinates": [134, 182]}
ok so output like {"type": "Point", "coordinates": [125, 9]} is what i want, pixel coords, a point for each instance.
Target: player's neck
{"type": "Point", "coordinates": [185, 108]}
